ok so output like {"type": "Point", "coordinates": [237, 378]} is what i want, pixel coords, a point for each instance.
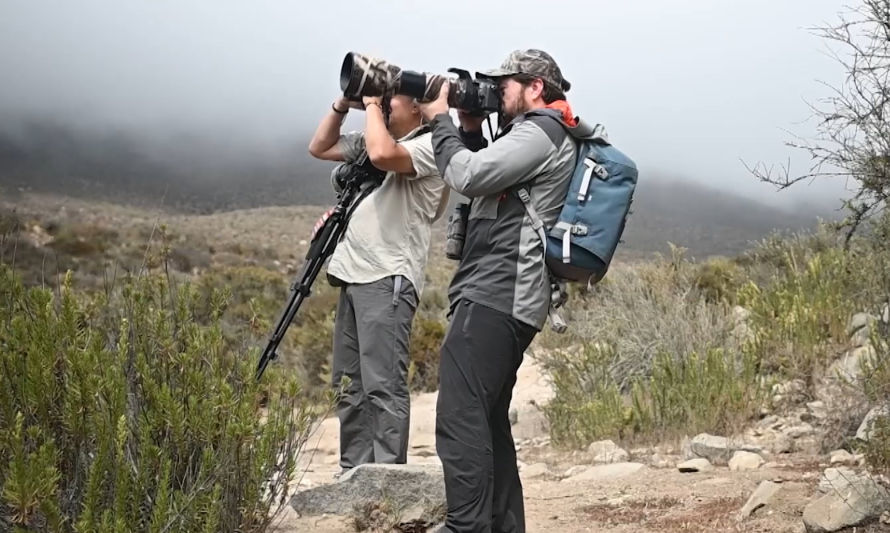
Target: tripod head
{"type": "Point", "coordinates": [356, 174]}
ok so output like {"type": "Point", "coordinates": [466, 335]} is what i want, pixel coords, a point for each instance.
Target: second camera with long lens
{"type": "Point", "coordinates": [362, 75]}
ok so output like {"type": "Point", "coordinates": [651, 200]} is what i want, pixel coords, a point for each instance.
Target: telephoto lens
{"type": "Point", "coordinates": [362, 75]}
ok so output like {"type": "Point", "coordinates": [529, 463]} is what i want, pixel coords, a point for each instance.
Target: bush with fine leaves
{"type": "Point", "coordinates": [127, 412]}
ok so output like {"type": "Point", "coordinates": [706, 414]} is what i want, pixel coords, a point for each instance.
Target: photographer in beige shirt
{"type": "Point", "coordinates": [379, 265]}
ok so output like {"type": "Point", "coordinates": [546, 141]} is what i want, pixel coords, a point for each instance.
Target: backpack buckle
{"type": "Point", "coordinates": [600, 171]}
{"type": "Point", "coordinates": [592, 168]}
{"type": "Point", "coordinates": [579, 229]}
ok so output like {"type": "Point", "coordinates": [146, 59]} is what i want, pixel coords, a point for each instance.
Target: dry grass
{"type": "Point", "coordinates": [669, 514]}
{"type": "Point", "coordinates": [631, 511]}
{"type": "Point", "coordinates": [645, 310]}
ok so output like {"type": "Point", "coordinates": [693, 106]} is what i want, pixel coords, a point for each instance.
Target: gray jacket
{"type": "Point", "coordinates": [503, 259]}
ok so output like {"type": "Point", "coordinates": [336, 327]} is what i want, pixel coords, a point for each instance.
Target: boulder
{"type": "Point", "coordinates": [409, 485]}
{"type": "Point", "coordinates": [695, 465]}
{"type": "Point", "coordinates": [842, 457]}
{"type": "Point", "coordinates": [859, 321]}
{"type": "Point", "coordinates": [798, 431]}
{"type": "Point", "coordinates": [866, 429]}
{"type": "Point", "coordinates": [535, 470]}
{"type": "Point", "coordinates": [606, 451]}
{"type": "Point", "coordinates": [861, 501]}
{"type": "Point", "coordinates": [759, 498]}
{"type": "Point", "coordinates": [835, 479]}
{"type": "Point", "coordinates": [715, 449]}
{"type": "Point", "coordinates": [743, 460]}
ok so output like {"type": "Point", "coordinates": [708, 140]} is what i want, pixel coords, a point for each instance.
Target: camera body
{"type": "Point", "coordinates": [362, 75]}
{"type": "Point", "coordinates": [360, 172]}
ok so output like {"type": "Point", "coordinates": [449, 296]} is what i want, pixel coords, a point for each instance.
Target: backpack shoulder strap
{"type": "Point", "coordinates": [537, 223]}
{"type": "Point", "coordinates": [550, 123]}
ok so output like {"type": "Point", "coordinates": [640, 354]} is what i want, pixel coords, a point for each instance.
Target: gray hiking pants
{"type": "Point", "coordinates": [371, 335]}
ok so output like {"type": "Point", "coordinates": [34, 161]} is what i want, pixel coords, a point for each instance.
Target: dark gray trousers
{"type": "Point", "coordinates": [371, 335]}
{"type": "Point", "coordinates": [479, 360]}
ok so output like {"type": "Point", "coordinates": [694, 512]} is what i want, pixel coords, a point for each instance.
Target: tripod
{"type": "Point", "coordinates": [361, 180]}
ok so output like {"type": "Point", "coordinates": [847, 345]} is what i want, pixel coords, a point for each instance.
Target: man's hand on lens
{"type": "Point", "coordinates": [470, 122]}
{"type": "Point", "coordinates": [373, 100]}
{"type": "Point", "coordinates": [437, 106]}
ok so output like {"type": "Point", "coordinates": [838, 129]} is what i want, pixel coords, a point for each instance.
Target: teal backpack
{"type": "Point", "coordinates": [580, 245]}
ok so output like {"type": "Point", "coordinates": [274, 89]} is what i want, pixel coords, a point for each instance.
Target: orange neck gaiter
{"type": "Point", "coordinates": [565, 109]}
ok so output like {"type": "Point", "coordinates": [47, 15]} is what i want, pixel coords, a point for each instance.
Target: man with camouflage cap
{"type": "Point", "coordinates": [500, 295]}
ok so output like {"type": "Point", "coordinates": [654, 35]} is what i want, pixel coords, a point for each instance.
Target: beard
{"type": "Point", "coordinates": [519, 107]}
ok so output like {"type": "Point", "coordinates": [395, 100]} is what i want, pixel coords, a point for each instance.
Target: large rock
{"type": "Point", "coordinates": [836, 479]}
{"type": "Point", "coordinates": [861, 338]}
{"type": "Point", "coordinates": [606, 451]}
{"type": "Point", "coordinates": [532, 391]}
{"type": "Point", "coordinates": [695, 465]}
{"type": "Point", "coordinates": [742, 460]}
{"type": "Point", "coordinates": [860, 321]}
{"type": "Point", "coordinates": [848, 367]}
{"type": "Point", "coordinates": [866, 429]}
{"type": "Point", "coordinates": [789, 391]}
{"type": "Point", "coordinates": [759, 498]}
{"type": "Point", "coordinates": [601, 472]}
{"type": "Point", "coordinates": [408, 485]}
{"type": "Point", "coordinates": [842, 457]}
{"type": "Point", "coordinates": [801, 430]}
{"type": "Point", "coordinates": [715, 449]}
{"type": "Point", "coordinates": [535, 470]}
{"type": "Point", "coordinates": [817, 410]}
{"type": "Point", "coordinates": [861, 501]}
{"type": "Point", "coordinates": [530, 422]}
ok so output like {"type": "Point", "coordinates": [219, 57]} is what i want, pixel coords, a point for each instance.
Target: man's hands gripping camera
{"type": "Point", "coordinates": [469, 122]}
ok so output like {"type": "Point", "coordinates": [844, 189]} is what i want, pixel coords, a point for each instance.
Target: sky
{"type": "Point", "coordinates": [687, 88]}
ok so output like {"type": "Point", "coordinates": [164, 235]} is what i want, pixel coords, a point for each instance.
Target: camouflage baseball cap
{"type": "Point", "coordinates": [532, 62]}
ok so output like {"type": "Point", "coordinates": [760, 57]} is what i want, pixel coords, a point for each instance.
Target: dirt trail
{"type": "Point", "coordinates": [649, 500]}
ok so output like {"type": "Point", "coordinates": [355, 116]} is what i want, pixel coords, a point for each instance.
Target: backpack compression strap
{"type": "Point", "coordinates": [537, 223]}
{"type": "Point", "coordinates": [538, 226]}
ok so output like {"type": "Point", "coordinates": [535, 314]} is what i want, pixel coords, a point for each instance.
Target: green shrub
{"type": "Point", "coordinates": [426, 340]}
{"type": "Point", "coordinates": [800, 316]}
{"type": "Point", "coordinates": [656, 349]}
{"type": "Point", "coordinates": [876, 373]}
{"type": "Point", "coordinates": [877, 449]}
{"type": "Point", "coordinates": [83, 240]}
{"type": "Point", "coordinates": [715, 392]}
{"type": "Point", "coordinates": [587, 405]}
{"type": "Point", "coordinates": [718, 280]}
{"type": "Point", "coordinates": [645, 310]}
{"type": "Point", "coordinates": [312, 337]}
{"type": "Point", "coordinates": [661, 354]}
{"type": "Point", "coordinates": [258, 297]}
{"type": "Point", "coordinates": [684, 394]}
{"type": "Point", "coordinates": [127, 413]}
{"type": "Point", "coordinates": [10, 222]}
